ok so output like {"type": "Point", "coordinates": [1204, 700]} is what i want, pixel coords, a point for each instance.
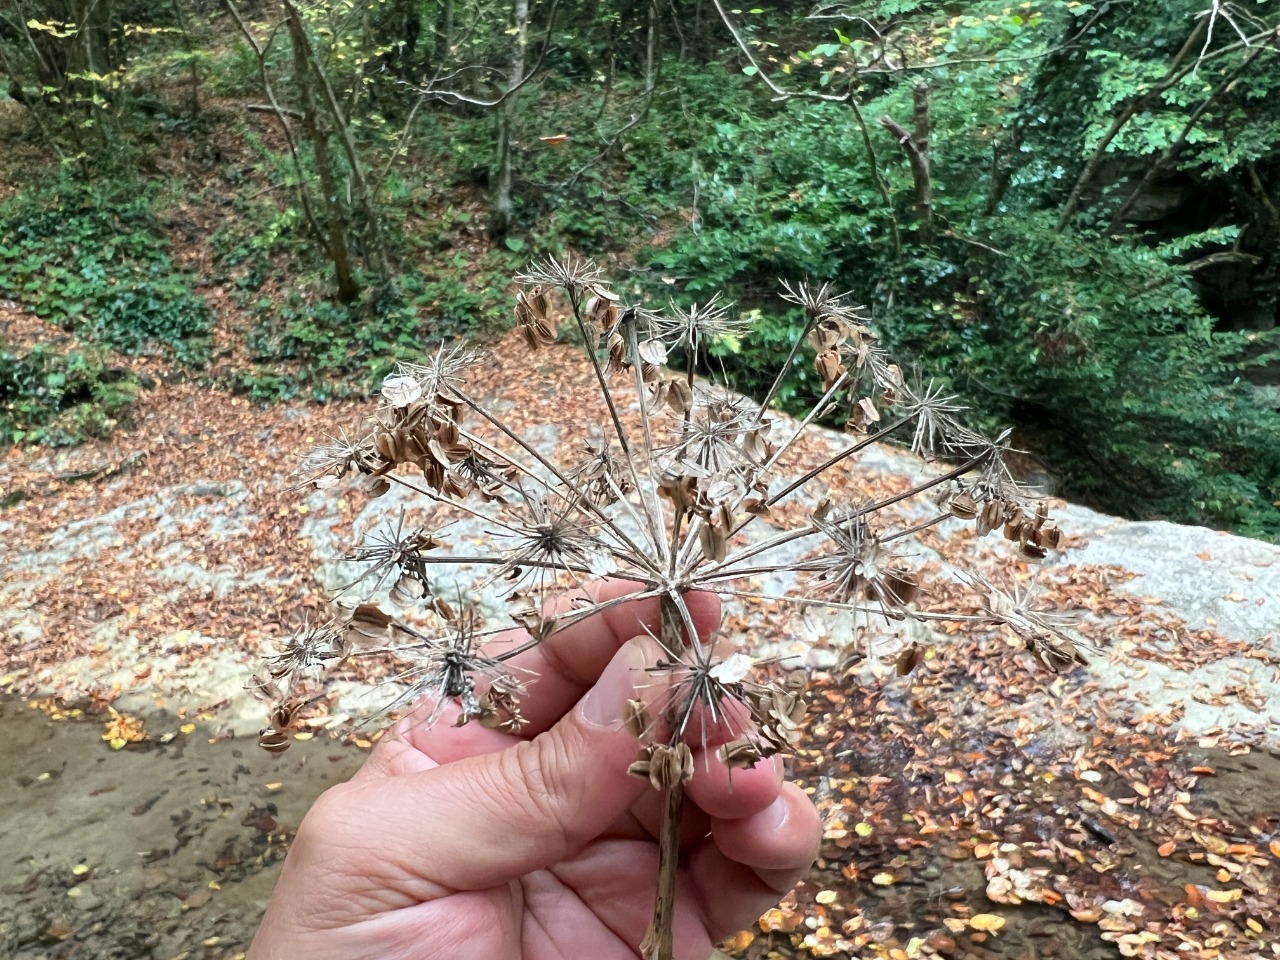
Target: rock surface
{"type": "Point", "coordinates": [1194, 588]}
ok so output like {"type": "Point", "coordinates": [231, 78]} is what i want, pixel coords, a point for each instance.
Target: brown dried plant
{"type": "Point", "coordinates": [675, 489]}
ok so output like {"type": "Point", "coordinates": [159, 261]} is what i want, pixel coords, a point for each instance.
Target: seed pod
{"type": "Point", "coordinates": [827, 334]}
{"type": "Point", "coordinates": [602, 312]}
{"type": "Point", "coordinates": [664, 766]}
{"type": "Point", "coordinates": [864, 413]}
{"type": "Point", "coordinates": [401, 391]}
{"type": "Point", "coordinates": [714, 542]}
{"type": "Point", "coordinates": [1018, 528]}
{"type": "Point", "coordinates": [637, 719]}
{"type": "Point", "coordinates": [499, 710]}
{"type": "Point", "coordinates": [829, 367]}
{"type": "Point", "coordinates": [274, 741]}
{"type": "Point", "coordinates": [991, 516]}
{"type": "Point", "coordinates": [1030, 551]}
{"type": "Point", "coordinates": [740, 754]}
{"type": "Point", "coordinates": [909, 659]}
{"type": "Point", "coordinates": [533, 317]}
{"type": "Point", "coordinates": [617, 347]}
{"type": "Point", "coordinates": [964, 506]}
{"type": "Point", "coordinates": [1051, 537]}
{"type": "Point", "coordinates": [679, 396]}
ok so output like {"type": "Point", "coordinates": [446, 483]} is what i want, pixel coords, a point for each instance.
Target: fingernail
{"type": "Point", "coordinates": [776, 813]}
{"type": "Point", "coordinates": [603, 704]}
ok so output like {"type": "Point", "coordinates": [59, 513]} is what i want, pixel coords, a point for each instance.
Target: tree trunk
{"type": "Point", "coordinates": [372, 232]}
{"type": "Point", "coordinates": [501, 207]}
{"type": "Point", "coordinates": [348, 289]}
{"type": "Point", "coordinates": [444, 32]}
{"type": "Point", "coordinates": [651, 65]}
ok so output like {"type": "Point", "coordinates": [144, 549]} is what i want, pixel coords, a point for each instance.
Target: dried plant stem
{"type": "Point", "coordinates": [915, 528]}
{"type": "Point", "coordinates": [877, 437]}
{"type": "Point", "coordinates": [782, 373]}
{"type": "Point", "coordinates": [658, 943]}
{"type": "Point", "coordinates": [809, 417]}
{"type": "Point", "coordinates": [653, 509]}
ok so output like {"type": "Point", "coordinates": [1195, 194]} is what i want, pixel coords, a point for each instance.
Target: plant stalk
{"type": "Point", "coordinates": [658, 943]}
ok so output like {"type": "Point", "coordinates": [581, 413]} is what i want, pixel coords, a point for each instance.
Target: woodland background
{"type": "Point", "coordinates": [1067, 211]}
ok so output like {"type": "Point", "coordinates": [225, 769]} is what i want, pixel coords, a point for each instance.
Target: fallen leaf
{"type": "Point", "coordinates": [986, 922]}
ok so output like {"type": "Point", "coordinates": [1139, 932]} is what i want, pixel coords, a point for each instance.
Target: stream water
{"type": "Point", "coordinates": [170, 849]}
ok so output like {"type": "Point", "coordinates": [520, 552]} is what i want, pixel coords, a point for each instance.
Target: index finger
{"type": "Point", "coordinates": [567, 664]}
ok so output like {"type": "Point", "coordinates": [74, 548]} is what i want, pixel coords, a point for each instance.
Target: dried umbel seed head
{"type": "Point", "coordinates": [856, 565]}
{"type": "Point", "coordinates": [665, 497]}
{"type": "Point", "coordinates": [285, 705]}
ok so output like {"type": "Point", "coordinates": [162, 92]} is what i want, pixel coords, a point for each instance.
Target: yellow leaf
{"type": "Point", "coordinates": [882, 879]}
{"type": "Point", "coordinates": [80, 869]}
{"type": "Point", "coordinates": [1224, 896]}
{"type": "Point", "coordinates": [740, 940]}
{"type": "Point", "coordinates": [187, 728]}
{"type": "Point", "coordinates": [826, 896]}
{"type": "Point", "coordinates": [986, 922]}
{"type": "Point", "coordinates": [863, 829]}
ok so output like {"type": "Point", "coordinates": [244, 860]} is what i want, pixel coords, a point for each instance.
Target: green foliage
{"type": "Point", "coordinates": [56, 398]}
{"type": "Point", "coordinates": [307, 346]}
{"type": "Point", "coordinates": [1095, 345]}
{"type": "Point", "coordinates": [1088, 329]}
{"type": "Point", "coordinates": [96, 264]}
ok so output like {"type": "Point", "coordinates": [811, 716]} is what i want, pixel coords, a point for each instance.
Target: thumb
{"type": "Point", "coordinates": [484, 820]}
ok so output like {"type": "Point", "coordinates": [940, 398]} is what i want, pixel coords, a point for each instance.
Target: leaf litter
{"type": "Point", "coordinates": [972, 808]}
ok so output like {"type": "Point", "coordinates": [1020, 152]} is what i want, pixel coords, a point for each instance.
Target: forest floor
{"type": "Point", "coordinates": [978, 808]}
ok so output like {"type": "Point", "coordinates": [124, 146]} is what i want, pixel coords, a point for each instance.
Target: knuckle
{"type": "Point", "coordinates": [544, 771]}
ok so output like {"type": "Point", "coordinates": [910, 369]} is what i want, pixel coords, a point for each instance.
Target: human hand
{"type": "Point", "coordinates": [469, 842]}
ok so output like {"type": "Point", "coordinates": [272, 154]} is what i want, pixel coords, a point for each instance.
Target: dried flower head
{"type": "Point", "coordinates": [668, 484]}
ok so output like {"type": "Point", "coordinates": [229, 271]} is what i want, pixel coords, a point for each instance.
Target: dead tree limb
{"type": "Point", "coordinates": [282, 115]}
{"type": "Point", "coordinates": [915, 143]}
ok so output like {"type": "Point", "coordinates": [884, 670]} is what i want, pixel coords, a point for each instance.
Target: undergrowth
{"type": "Point", "coordinates": [60, 398]}
{"type": "Point", "coordinates": [94, 261]}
